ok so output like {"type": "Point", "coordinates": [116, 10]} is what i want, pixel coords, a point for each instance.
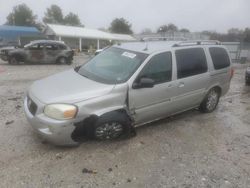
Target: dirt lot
{"type": "Point", "coordinates": [188, 150]}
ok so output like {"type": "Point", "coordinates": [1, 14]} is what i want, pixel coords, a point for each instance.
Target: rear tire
{"type": "Point", "coordinates": [211, 101]}
{"type": "Point", "coordinates": [62, 60]}
{"type": "Point", "coordinates": [13, 60]}
{"type": "Point", "coordinates": [111, 126]}
{"type": "Point", "coordinates": [69, 62]}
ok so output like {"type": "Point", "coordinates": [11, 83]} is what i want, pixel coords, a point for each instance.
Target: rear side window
{"type": "Point", "coordinates": [51, 47]}
{"type": "Point", "coordinates": [159, 68]}
{"type": "Point", "coordinates": [62, 47]}
{"type": "Point", "coordinates": [190, 62]}
{"type": "Point", "coordinates": [220, 57]}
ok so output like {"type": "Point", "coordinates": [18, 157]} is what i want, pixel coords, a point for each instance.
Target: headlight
{"type": "Point", "coordinates": [60, 111]}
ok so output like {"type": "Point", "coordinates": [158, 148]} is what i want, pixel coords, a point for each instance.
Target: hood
{"type": "Point", "coordinates": [67, 87]}
{"type": "Point", "coordinates": [7, 48]}
{"type": "Point", "coordinates": [16, 50]}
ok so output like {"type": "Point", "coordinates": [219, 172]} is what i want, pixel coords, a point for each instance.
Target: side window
{"type": "Point", "coordinates": [51, 47]}
{"type": "Point", "coordinates": [220, 57]}
{"type": "Point", "coordinates": [190, 62]}
{"type": "Point", "coordinates": [62, 47]}
{"type": "Point", "coordinates": [34, 47]}
{"type": "Point", "coordinates": [41, 46]}
{"type": "Point", "coordinates": [159, 68]}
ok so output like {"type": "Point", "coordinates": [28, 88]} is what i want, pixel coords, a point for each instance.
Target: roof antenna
{"type": "Point", "coordinates": [146, 47]}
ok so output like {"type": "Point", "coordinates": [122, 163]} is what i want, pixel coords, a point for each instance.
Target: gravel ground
{"type": "Point", "coordinates": [188, 150]}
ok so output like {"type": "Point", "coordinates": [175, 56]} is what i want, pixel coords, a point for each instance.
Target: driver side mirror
{"type": "Point", "coordinates": [143, 83]}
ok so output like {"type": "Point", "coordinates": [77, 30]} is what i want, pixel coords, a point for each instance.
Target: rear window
{"type": "Point", "coordinates": [220, 57]}
{"type": "Point", "coordinates": [190, 62]}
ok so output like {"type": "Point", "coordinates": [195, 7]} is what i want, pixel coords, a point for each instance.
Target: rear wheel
{"type": "Point", "coordinates": [13, 60]}
{"type": "Point", "coordinates": [111, 126]}
{"type": "Point", "coordinates": [69, 62]}
{"type": "Point", "coordinates": [62, 60]}
{"type": "Point", "coordinates": [211, 101]}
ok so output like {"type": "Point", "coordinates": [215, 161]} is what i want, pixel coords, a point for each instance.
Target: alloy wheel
{"type": "Point", "coordinates": [108, 131]}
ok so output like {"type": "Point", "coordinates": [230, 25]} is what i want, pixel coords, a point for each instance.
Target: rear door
{"type": "Point", "coordinates": [51, 52]}
{"type": "Point", "coordinates": [193, 78]}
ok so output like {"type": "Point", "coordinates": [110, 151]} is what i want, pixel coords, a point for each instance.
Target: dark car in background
{"type": "Point", "coordinates": [41, 51]}
{"type": "Point", "coordinates": [247, 76]}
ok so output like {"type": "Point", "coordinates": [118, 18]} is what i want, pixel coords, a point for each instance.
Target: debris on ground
{"type": "Point", "coordinates": [58, 156]}
{"type": "Point", "coordinates": [18, 107]}
{"type": "Point", "coordinates": [142, 142]}
{"type": "Point", "coordinates": [14, 98]}
{"type": "Point", "coordinates": [87, 171]}
{"type": "Point", "coordinates": [110, 169]}
{"type": "Point", "coordinates": [9, 122]}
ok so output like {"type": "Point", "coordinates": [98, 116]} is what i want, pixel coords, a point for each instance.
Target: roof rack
{"type": "Point", "coordinates": [45, 40]}
{"type": "Point", "coordinates": [197, 42]}
{"type": "Point", "coordinates": [163, 39]}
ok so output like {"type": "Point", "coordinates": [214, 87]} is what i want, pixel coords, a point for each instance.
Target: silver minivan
{"type": "Point", "coordinates": [128, 85]}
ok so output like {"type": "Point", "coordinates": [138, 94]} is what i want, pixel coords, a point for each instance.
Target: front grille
{"type": "Point", "coordinates": [32, 106]}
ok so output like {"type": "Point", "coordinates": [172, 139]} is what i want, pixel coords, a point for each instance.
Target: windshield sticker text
{"type": "Point", "coordinates": [128, 54]}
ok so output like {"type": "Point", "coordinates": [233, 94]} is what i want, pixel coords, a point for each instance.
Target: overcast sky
{"type": "Point", "coordinates": [196, 15]}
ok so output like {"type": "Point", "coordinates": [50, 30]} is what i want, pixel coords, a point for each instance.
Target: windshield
{"type": "Point", "coordinates": [112, 66]}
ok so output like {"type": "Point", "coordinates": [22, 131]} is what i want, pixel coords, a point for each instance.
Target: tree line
{"type": "Point", "coordinates": [22, 15]}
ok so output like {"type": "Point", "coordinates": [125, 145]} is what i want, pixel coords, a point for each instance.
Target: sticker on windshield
{"type": "Point", "coordinates": [128, 54]}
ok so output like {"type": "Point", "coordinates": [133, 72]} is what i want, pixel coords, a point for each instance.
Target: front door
{"type": "Point", "coordinates": [152, 103]}
{"type": "Point", "coordinates": [36, 53]}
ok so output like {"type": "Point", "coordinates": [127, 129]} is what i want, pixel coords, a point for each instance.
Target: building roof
{"type": "Point", "coordinates": [18, 28]}
{"type": "Point", "coordinates": [14, 32]}
{"type": "Point", "coordinates": [82, 32]}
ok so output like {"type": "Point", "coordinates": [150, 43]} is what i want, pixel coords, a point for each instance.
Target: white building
{"type": "Point", "coordinates": [83, 38]}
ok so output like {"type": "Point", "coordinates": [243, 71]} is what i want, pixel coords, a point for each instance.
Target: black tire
{"type": "Point", "coordinates": [111, 126]}
{"type": "Point", "coordinates": [13, 60]}
{"type": "Point", "coordinates": [69, 62]}
{"type": "Point", "coordinates": [211, 101]}
{"type": "Point", "coordinates": [62, 60]}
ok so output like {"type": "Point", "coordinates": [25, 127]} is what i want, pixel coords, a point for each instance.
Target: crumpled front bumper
{"type": "Point", "coordinates": [3, 57]}
{"type": "Point", "coordinates": [55, 131]}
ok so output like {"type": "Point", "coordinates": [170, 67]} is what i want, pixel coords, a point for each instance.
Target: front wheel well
{"type": "Point", "coordinates": [84, 129]}
{"type": "Point", "coordinates": [218, 88]}
{"type": "Point", "coordinates": [17, 56]}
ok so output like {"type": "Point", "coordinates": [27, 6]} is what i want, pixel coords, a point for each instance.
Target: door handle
{"type": "Point", "coordinates": [181, 84]}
